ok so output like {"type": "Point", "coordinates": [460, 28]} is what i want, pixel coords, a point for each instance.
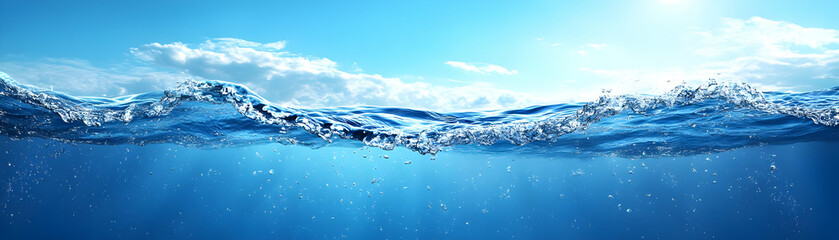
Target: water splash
{"type": "Point", "coordinates": [714, 116]}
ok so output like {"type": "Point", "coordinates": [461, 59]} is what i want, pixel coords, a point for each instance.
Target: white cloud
{"type": "Point", "coordinates": [279, 76]}
{"type": "Point", "coordinates": [292, 80]}
{"type": "Point", "coordinates": [767, 38]}
{"type": "Point", "coordinates": [772, 55]}
{"type": "Point", "coordinates": [481, 67]}
{"type": "Point", "coordinates": [81, 78]}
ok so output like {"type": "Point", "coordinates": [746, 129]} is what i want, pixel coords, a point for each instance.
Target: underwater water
{"type": "Point", "coordinates": [213, 160]}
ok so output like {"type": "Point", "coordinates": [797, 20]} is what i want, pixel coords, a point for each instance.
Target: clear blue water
{"type": "Point", "coordinates": [213, 160]}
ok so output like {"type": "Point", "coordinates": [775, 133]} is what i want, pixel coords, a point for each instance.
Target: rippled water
{"type": "Point", "coordinates": [215, 160]}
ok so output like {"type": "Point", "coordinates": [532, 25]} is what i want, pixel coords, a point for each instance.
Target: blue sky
{"type": "Point", "coordinates": [439, 55]}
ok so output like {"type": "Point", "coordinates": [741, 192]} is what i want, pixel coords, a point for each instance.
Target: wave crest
{"type": "Point", "coordinates": [195, 114]}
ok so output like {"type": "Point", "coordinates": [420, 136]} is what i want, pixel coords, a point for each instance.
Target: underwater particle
{"type": "Point", "coordinates": [628, 210]}
{"type": "Point", "coordinates": [271, 171]}
{"type": "Point", "coordinates": [772, 168]}
{"type": "Point", "coordinates": [385, 156]}
{"type": "Point", "coordinates": [373, 181]}
{"type": "Point", "coordinates": [269, 180]}
{"type": "Point", "coordinates": [610, 196]}
{"type": "Point", "coordinates": [508, 168]}
{"type": "Point", "coordinates": [313, 218]}
{"type": "Point", "coordinates": [150, 173]}
{"type": "Point", "coordinates": [404, 188]}
{"type": "Point", "coordinates": [407, 162]}
{"type": "Point", "coordinates": [484, 210]}
{"type": "Point", "coordinates": [443, 206]}
{"type": "Point", "coordinates": [428, 187]}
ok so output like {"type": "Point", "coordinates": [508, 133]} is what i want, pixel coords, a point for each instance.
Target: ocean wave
{"type": "Point", "coordinates": [713, 116]}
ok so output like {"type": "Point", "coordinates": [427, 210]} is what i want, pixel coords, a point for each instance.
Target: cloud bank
{"type": "Point", "coordinates": [771, 55]}
{"type": "Point", "coordinates": [279, 76]}
{"type": "Point", "coordinates": [293, 80]}
{"type": "Point", "coordinates": [80, 77]}
{"type": "Point", "coordinates": [774, 53]}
